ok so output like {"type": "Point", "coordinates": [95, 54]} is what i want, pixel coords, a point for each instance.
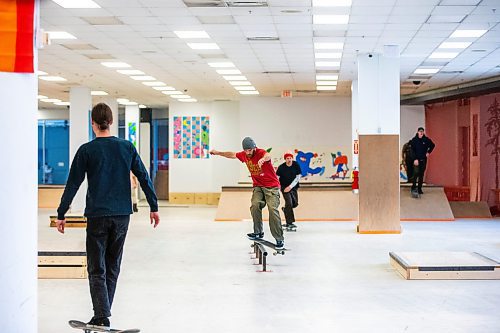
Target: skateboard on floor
{"type": "Point", "coordinates": [287, 228]}
{"type": "Point", "coordinates": [415, 194]}
{"type": "Point", "coordinates": [270, 245]}
{"type": "Point", "coordinates": [83, 326]}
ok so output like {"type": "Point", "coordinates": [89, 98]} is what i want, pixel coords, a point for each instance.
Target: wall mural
{"type": "Point", "coordinates": [132, 133]}
{"type": "Point", "coordinates": [191, 137]}
{"type": "Point", "coordinates": [492, 126]}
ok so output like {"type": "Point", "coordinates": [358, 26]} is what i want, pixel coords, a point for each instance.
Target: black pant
{"type": "Point", "coordinates": [105, 239]}
{"type": "Point", "coordinates": [418, 174]}
{"type": "Point", "coordinates": [409, 169]}
{"type": "Point", "coordinates": [291, 201]}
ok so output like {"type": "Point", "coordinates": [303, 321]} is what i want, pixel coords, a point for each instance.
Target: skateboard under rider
{"type": "Point", "coordinates": [270, 245]}
{"type": "Point", "coordinates": [89, 329]}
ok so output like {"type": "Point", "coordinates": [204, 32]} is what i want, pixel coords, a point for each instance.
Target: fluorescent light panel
{"type": "Point", "coordinates": [330, 19]}
{"type": "Point", "coordinates": [331, 3]}
{"type": "Point", "coordinates": [203, 46]}
{"type": "Point", "coordinates": [52, 78]}
{"type": "Point", "coordinates": [326, 83]}
{"type": "Point", "coordinates": [253, 92]}
{"type": "Point", "coordinates": [77, 3]}
{"type": "Point", "coordinates": [40, 73]}
{"type": "Point", "coordinates": [142, 106]}
{"type": "Point", "coordinates": [173, 92]}
{"type": "Point", "coordinates": [130, 71]}
{"type": "Point", "coordinates": [192, 34]}
{"type": "Point", "coordinates": [143, 78]}
{"type": "Point", "coordinates": [50, 100]}
{"type": "Point", "coordinates": [41, 96]}
{"type": "Point", "coordinates": [455, 45]}
{"type": "Point", "coordinates": [328, 55]}
{"type": "Point", "coordinates": [467, 33]}
{"type": "Point", "coordinates": [443, 55]}
{"type": "Point", "coordinates": [60, 35]}
{"type": "Point", "coordinates": [240, 83]}
{"type": "Point", "coordinates": [154, 84]}
{"type": "Point", "coordinates": [327, 77]}
{"type": "Point", "coordinates": [326, 88]}
{"type": "Point", "coordinates": [62, 103]}
{"type": "Point", "coordinates": [327, 63]}
{"type": "Point", "coordinates": [228, 71]}
{"type": "Point", "coordinates": [244, 88]}
{"type": "Point", "coordinates": [188, 100]}
{"type": "Point", "coordinates": [235, 78]}
{"type": "Point", "coordinates": [122, 100]}
{"type": "Point", "coordinates": [328, 45]}
{"type": "Point", "coordinates": [115, 64]}
{"type": "Point", "coordinates": [180, 96]}
{"type": "Point", "coordinates": [98, 93]}
{"type": "Point", "coordinates": [163, 88]}
{"type": "Point", "coordinates": [426, 70]}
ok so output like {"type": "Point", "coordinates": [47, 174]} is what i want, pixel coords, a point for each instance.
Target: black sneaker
{"type": "Point", "coordinates": [291, 225]}
{"type": "Point", "coordinates": [254, 235]}
{"type": "Point", "coordinates": [99, 322]}
{"type": "Point", "coordinates": [420, 191]}
{"type": "Point", "coordinates": [280, 245]}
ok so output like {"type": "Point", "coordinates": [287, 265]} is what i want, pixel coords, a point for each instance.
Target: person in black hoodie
{"type": "Point", "coordinates": [421, 147]}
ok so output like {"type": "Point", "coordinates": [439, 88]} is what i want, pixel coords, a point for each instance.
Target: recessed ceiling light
{"type": "Point", "coordinates": [330, 19]}
{"type": "Point", "coordinates": [60, 35]}
{"type": "Point", "coordinates": [77, 3]}
{"type": "Point", "coordinates": [52, 78]}
{"type": "Point", "coordinates": [331, 3]}
{"type": "Point", "coordinates": [326, 87]}
{"type": "Point", "coordinates": [143, 78]}
{"type": "Point", "coordinates": [191, 34]}
{"type": "Point", "coordinates": [327, 55]}
{"type": "Point", "coordinates": [244, 87]}
{"type": "Point", "coordinates": [40, 73]}
{"type": "Point", "coordinates": [142, 106]}
{"type": "Point", "coordinates": [188, 100]}
{"type": "Point", "coordinates": [98, 93]}
{"type": "Point", "coordinates": [443, 55]}
{"type": "Point", "coordinates": [235, 78]}
{"type": "Point", "coordinates": [172, 92]}
{"type": "Point", "coordinates": [122, 100]}
{"type": "Point", "coordinates": [228, 71]}
{"type": "Point", "coordinates": [180, 96]}
{"type": "Point", "coordinates": [240, 83]}
{"type": "Point", "coordinates": [426, 70]}
{"type": "Point", "coordinates": [327, 63]}
{"type": "Point", "coordinates": [41, 97]}
{"type": "Point", "coordinates": [326, 83]}
{"type": "Point", "coordinates": [164, 88]}
{"type": "Point", "coordinates": [224, 64]}
{"type": "Point", "coordinates": [329, 46]}
{"type": "Point", "coordinates": [62, 103]}
{"type": "Point", "coordinates": [50, 100]}
{"type": "Point", "coordinates": [154, 84]}
{"type": "Point", "coordinates": [115, 64]}
{"type": "Point", "coordinates": [327, 77]}
{"type": "Point", "coordinates": [203, 46]}
{"type": "Point", "coordinates": [130, 71]}
{"type": "Point", "coordinates": [455, 45]}
{"type": "Point", "coordinates": [467, 33]}
{"type": "Point", "coordinates": [252, 92]}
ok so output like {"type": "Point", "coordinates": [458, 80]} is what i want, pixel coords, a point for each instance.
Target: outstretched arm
{"type": "Point", "coordinates": [226, 154]}
{"type": "Point", "coordinates": [265, 158]}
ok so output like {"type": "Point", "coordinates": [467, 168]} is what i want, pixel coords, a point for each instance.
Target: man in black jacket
{"type": "Point", "coordinates": [421, 147]}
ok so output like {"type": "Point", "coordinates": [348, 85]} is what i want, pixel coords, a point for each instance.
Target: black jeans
{"type": "Point", "coordinates": [418, 174]}
{"type": "Point", "coordinates": [291, 201]}
{"type": "Point", "coordinates": [105, 239]}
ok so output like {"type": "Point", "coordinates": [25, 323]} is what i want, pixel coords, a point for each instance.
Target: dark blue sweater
{"type": "Point", "coordinates": [107, 161]}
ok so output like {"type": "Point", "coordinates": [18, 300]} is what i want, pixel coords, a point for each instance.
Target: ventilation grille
{"type": "Point", "coordinates": [224, 3]}
{"type": "Point", "coordinates": [278, 72]}
{"type": "Point", "coordinates": [263, 38]}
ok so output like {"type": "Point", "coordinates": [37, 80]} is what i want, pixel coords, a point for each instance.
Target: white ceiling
{"type": "Point", "coordinates": [147, 42]}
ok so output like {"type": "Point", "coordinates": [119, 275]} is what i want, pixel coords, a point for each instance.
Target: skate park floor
{"type": "Point", "coordinates": [194, 275]}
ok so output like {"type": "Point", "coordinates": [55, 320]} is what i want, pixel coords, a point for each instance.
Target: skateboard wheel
{"type": "Point", "coordinates": [275, 253]}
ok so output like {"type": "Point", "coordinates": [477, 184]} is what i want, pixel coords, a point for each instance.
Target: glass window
{"type": "Point", "coordinates": [53, 151]}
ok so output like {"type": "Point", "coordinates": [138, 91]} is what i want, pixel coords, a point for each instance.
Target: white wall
{"type": "Point", "coordinates": [206, 175]}
{"type": "Point", "coordinates": [412, 117]}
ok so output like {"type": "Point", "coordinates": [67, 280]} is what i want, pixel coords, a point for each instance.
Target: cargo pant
{"type": "Point", "coordinates": [270, 196]}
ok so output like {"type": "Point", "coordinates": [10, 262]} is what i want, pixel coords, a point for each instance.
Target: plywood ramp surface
{"type": "Point", "coordinates": [313, 206]}
{"type": "Point", "coordinates": [431, 206]}
{"type": "Point", "coordinates": [444, 266]}
{"type": "Point", "coordinates": [468, 209]}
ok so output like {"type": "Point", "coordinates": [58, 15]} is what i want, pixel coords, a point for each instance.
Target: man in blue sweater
{"type": "Point", "coordinates": [107, 162]}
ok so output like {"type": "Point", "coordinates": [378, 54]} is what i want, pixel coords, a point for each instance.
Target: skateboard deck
{"type": "Point", "coordinates": [270, 245]}
{"type": "Point", "coordinates": [83, 326]}
{"type": "Point", "coordinates": [415, 194]}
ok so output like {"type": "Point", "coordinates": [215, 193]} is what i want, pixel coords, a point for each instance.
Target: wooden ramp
{"type": "Point", "coordinates": [431, 206]}
{"type": "Point", "coordinates": [316, 203]}
{"type": "Point", "coordinates": [468, 209]}
{"type": "Point", "coordinates": [62, 265]}
{"type": "Point", "coordinates": [76, 221]}
{"type": "Point", "coordinates": [335, 203]}
{"type": "Point", "coordinates": [444, 266]}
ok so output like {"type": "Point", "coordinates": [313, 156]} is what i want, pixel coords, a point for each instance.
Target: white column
{"type": "Point", "coordinates": [132, 120]}
{"type": "Point", "coordinates": [113, 104]}
{"type": "Point", "coordinates": [354, 124]}
{"type": "Point", "coordinates": [79, 127]}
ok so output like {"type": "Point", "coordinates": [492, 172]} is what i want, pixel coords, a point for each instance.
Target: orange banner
{"type": "Point", "coordinates": [16, 35]}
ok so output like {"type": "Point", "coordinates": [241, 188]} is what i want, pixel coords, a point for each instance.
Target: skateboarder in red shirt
{"type": "Point", "coordinates": [266, 188]}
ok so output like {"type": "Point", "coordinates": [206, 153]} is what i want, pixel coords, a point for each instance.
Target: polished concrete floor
{"type": "Point", "coordinates": [195, 275]}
